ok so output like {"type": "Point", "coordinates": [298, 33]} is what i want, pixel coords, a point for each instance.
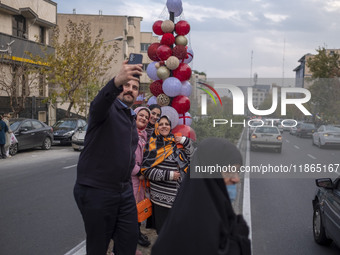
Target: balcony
{"type": "Point", "coordinates": [17, 48]}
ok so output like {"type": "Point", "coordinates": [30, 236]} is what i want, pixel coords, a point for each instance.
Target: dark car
{"type": "Point", "coordinates": [64, 129]}
{"type": "Point", "coordinates": [326, 216]}
{"type": "Point", "coordinates": [305, 129]}
{"type": "Point", "coordinates": [30, 133]}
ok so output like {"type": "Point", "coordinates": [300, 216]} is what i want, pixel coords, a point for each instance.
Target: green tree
{"type": "Point", "coordinates": [77, 68]}
{"type": "Point", "coordinates": [325, 88]}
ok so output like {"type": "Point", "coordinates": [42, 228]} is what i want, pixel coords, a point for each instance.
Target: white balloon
{"type": "Point", "coordinates": [152, 100]}
{"type": "Point", "coordinates": [185, 119]}
{"type": "Point", "coordinates": [190, 56]}
{"type": "Point", "coordinates": [175, 6]}
{"type": "Point", "coordinates": [186, 88]}
{"type": "Point", "coordinates": [151, 70]}
{"type": "Point", "coordinates": [172, 86]}
{"type": "Point", "coordinates": [172, 115]}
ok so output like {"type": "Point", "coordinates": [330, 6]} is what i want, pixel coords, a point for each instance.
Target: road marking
{"type": "Point", "coordinates": [80, 249]}
{"type": "Point", "coordinates": [67, 167]}
{"type": "Point", "coordinates": [246, 192]}
{"type": "Point", "coordinates": [311, 156]}
{"type": "Point", "coordinates": [297, 147]}
{"type": "Point", "coordinates": [287, 141]}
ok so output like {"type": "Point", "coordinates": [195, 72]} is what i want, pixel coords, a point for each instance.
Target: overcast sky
{"type": "Point", "coordinates": [225, 32]}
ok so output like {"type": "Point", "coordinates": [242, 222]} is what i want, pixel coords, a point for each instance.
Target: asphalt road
{"type": "Point", "coordinates": [38, 214]}
{"type": "Point", "coordinates": [281, 205]}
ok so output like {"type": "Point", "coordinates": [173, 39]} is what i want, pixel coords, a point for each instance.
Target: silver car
{"type": "Point", "coordinates": [266, 137]}
{"type": "Point", "coordinates": [326, 135]}
{"type": "Point", "coordinates": [78, 138]}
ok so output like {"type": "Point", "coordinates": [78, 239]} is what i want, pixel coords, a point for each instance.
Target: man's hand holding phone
{"type": "Point", "coordinates": [131, 69]}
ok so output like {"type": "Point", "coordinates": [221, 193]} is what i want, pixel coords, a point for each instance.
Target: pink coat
{"type": "Point", "coordinates": [139, 159]}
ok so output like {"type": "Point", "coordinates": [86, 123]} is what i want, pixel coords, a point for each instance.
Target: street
{"type": "Point", "coordinates": [281, 208]}
{"type": "Point", "coordinates": [39, 216]}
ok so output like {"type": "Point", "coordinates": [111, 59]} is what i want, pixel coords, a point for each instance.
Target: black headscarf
{"type": "Point", "coordinates": [202, 220]}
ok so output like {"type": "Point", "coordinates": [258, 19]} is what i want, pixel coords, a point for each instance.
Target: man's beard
{"type": "Point", "coordinates": [130, 102]}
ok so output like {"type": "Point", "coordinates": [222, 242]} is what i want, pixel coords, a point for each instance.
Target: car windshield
{"type": "Point", "coordinates": [270, 130]}
{"type": "Point", "coordinates": [66, 124]}
{"type": "Point", "coordinates": [333, 128]}
{"type": "Point", "coordinates": [14, 125]}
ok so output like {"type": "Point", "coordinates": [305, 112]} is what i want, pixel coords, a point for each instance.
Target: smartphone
{"type": "Point", "coordinates": [135, 59]}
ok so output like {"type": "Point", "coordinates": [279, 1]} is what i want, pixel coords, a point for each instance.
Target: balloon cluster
{"type": "Point", "coordinates": [170, 70]}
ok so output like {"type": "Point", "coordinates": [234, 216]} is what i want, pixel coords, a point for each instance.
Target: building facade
{"type": "Point", "coordinates": [25, 26]}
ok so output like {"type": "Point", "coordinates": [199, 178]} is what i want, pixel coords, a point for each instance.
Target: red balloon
{"type": "Point", "coordinates": [168, 39]}
{"type": "Point", "coordinates": [156, 88]}
{"type": "Point", "coordinates": [163, 52]}
{"type": "Point", "coordinates": [157, 29]}
{"type": "Point", "coordinates": [181, 104]}
{"type": "Point", "coordinates": [152, 51]}
{"type": "Point", "coordinates": [179, 51]}
{"type": "Point", "coordinates": [185, 131]}
{"type": "Point", "coordinates": [182, 27]}
{"type": "Point", "coordinates": [182, 72]}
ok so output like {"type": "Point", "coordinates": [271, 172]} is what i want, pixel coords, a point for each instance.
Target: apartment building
{"type": "Point", "coordinates": [302, 72]}
{"type": "Point", "coordinates": [25, 26]}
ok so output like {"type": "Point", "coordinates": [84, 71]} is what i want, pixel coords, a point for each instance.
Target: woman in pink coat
{"type": "Point", "coordinates": [142, 120]}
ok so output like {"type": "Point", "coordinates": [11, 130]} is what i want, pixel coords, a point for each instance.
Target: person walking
{"type": "Point", "coordinates": [103, 189]}
{"type": "Point", "coordinates": [3, 131]}
{"type": "Point", "coordinates": [8, 134]}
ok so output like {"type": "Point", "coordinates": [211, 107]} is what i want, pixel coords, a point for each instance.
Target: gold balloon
{"type": "Point", "coordinates": [181, 40]}
{"type": "Point", "coordinates": [163, 73]}
{"type": "Point", "coordinates": [157, 65]}
{"type": "Point", "coordinates": [167, 26]}
{"type": "Point", "coordinates": [163, 100]}
{"type": "Point", "coordinates": [172, 63]}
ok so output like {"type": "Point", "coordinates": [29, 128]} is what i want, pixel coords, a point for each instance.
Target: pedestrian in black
{"type": "Point", "coordinates": [3, 131]}
{"type": "Point", "coordinates": [103, 189]}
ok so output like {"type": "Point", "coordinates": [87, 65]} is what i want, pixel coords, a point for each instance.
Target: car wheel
{"type": "Point", "coordinates": [318, 228]}
{"type": "Point", "coordinates": [13, 149]}
{"type": "Point", "coordinates": [47, 143]}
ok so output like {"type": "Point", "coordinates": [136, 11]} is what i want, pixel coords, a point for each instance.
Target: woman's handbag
{"type": "Point", "coordinates": [144, 207]}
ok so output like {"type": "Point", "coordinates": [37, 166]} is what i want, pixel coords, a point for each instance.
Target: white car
{"type": "Point", "coordinates": [326, 135]}
{"type": "Point", "coordinates": [266, 137]}
{"type": "Point", "coordinates": [78, 138]}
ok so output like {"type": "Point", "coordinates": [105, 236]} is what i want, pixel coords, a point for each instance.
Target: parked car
{"type": "Point", "coordinates": [78, 139]}
{"type": "Point", "coordinates": [326, 211]}
{"type": "Point", "coordinates": [64, 129]}
{"type": "Point", "coordinates": [305, 129]}
{"type": "Point", "coordinates": [326, 135]}
{"type": "Point", "coordinates": [288, 125]}
{"type": "Point", "coordinates": [30, 133]}
{"type": "Point", "coordinates": [266, 137]}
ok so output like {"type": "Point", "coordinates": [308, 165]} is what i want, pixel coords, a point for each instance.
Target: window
{"type": "Point", "coordinates": [42, 37]}
{"type": "Point", "coordinates": [36, 124]}
{"type": "Point", "coordinates": [27, 125]}
{"type": "Point", "coordinates": [144, 47]}
{"type": "Point", "coordinates": [19, 26]}
{"type": "Point", "coordinates": [144, 67]}
{"type": "Point", "coordinates": [41, 85]}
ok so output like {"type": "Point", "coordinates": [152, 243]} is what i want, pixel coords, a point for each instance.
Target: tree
{"type": "Point", "coordinates": [325, 88]}
{"type": "Point", "coordinates": [17, 81]}
{"type": "Point", "coordinates": [77, 68]}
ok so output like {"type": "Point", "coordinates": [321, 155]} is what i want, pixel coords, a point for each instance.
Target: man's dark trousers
{"type": "Point", "coordinates": [108, 215]}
